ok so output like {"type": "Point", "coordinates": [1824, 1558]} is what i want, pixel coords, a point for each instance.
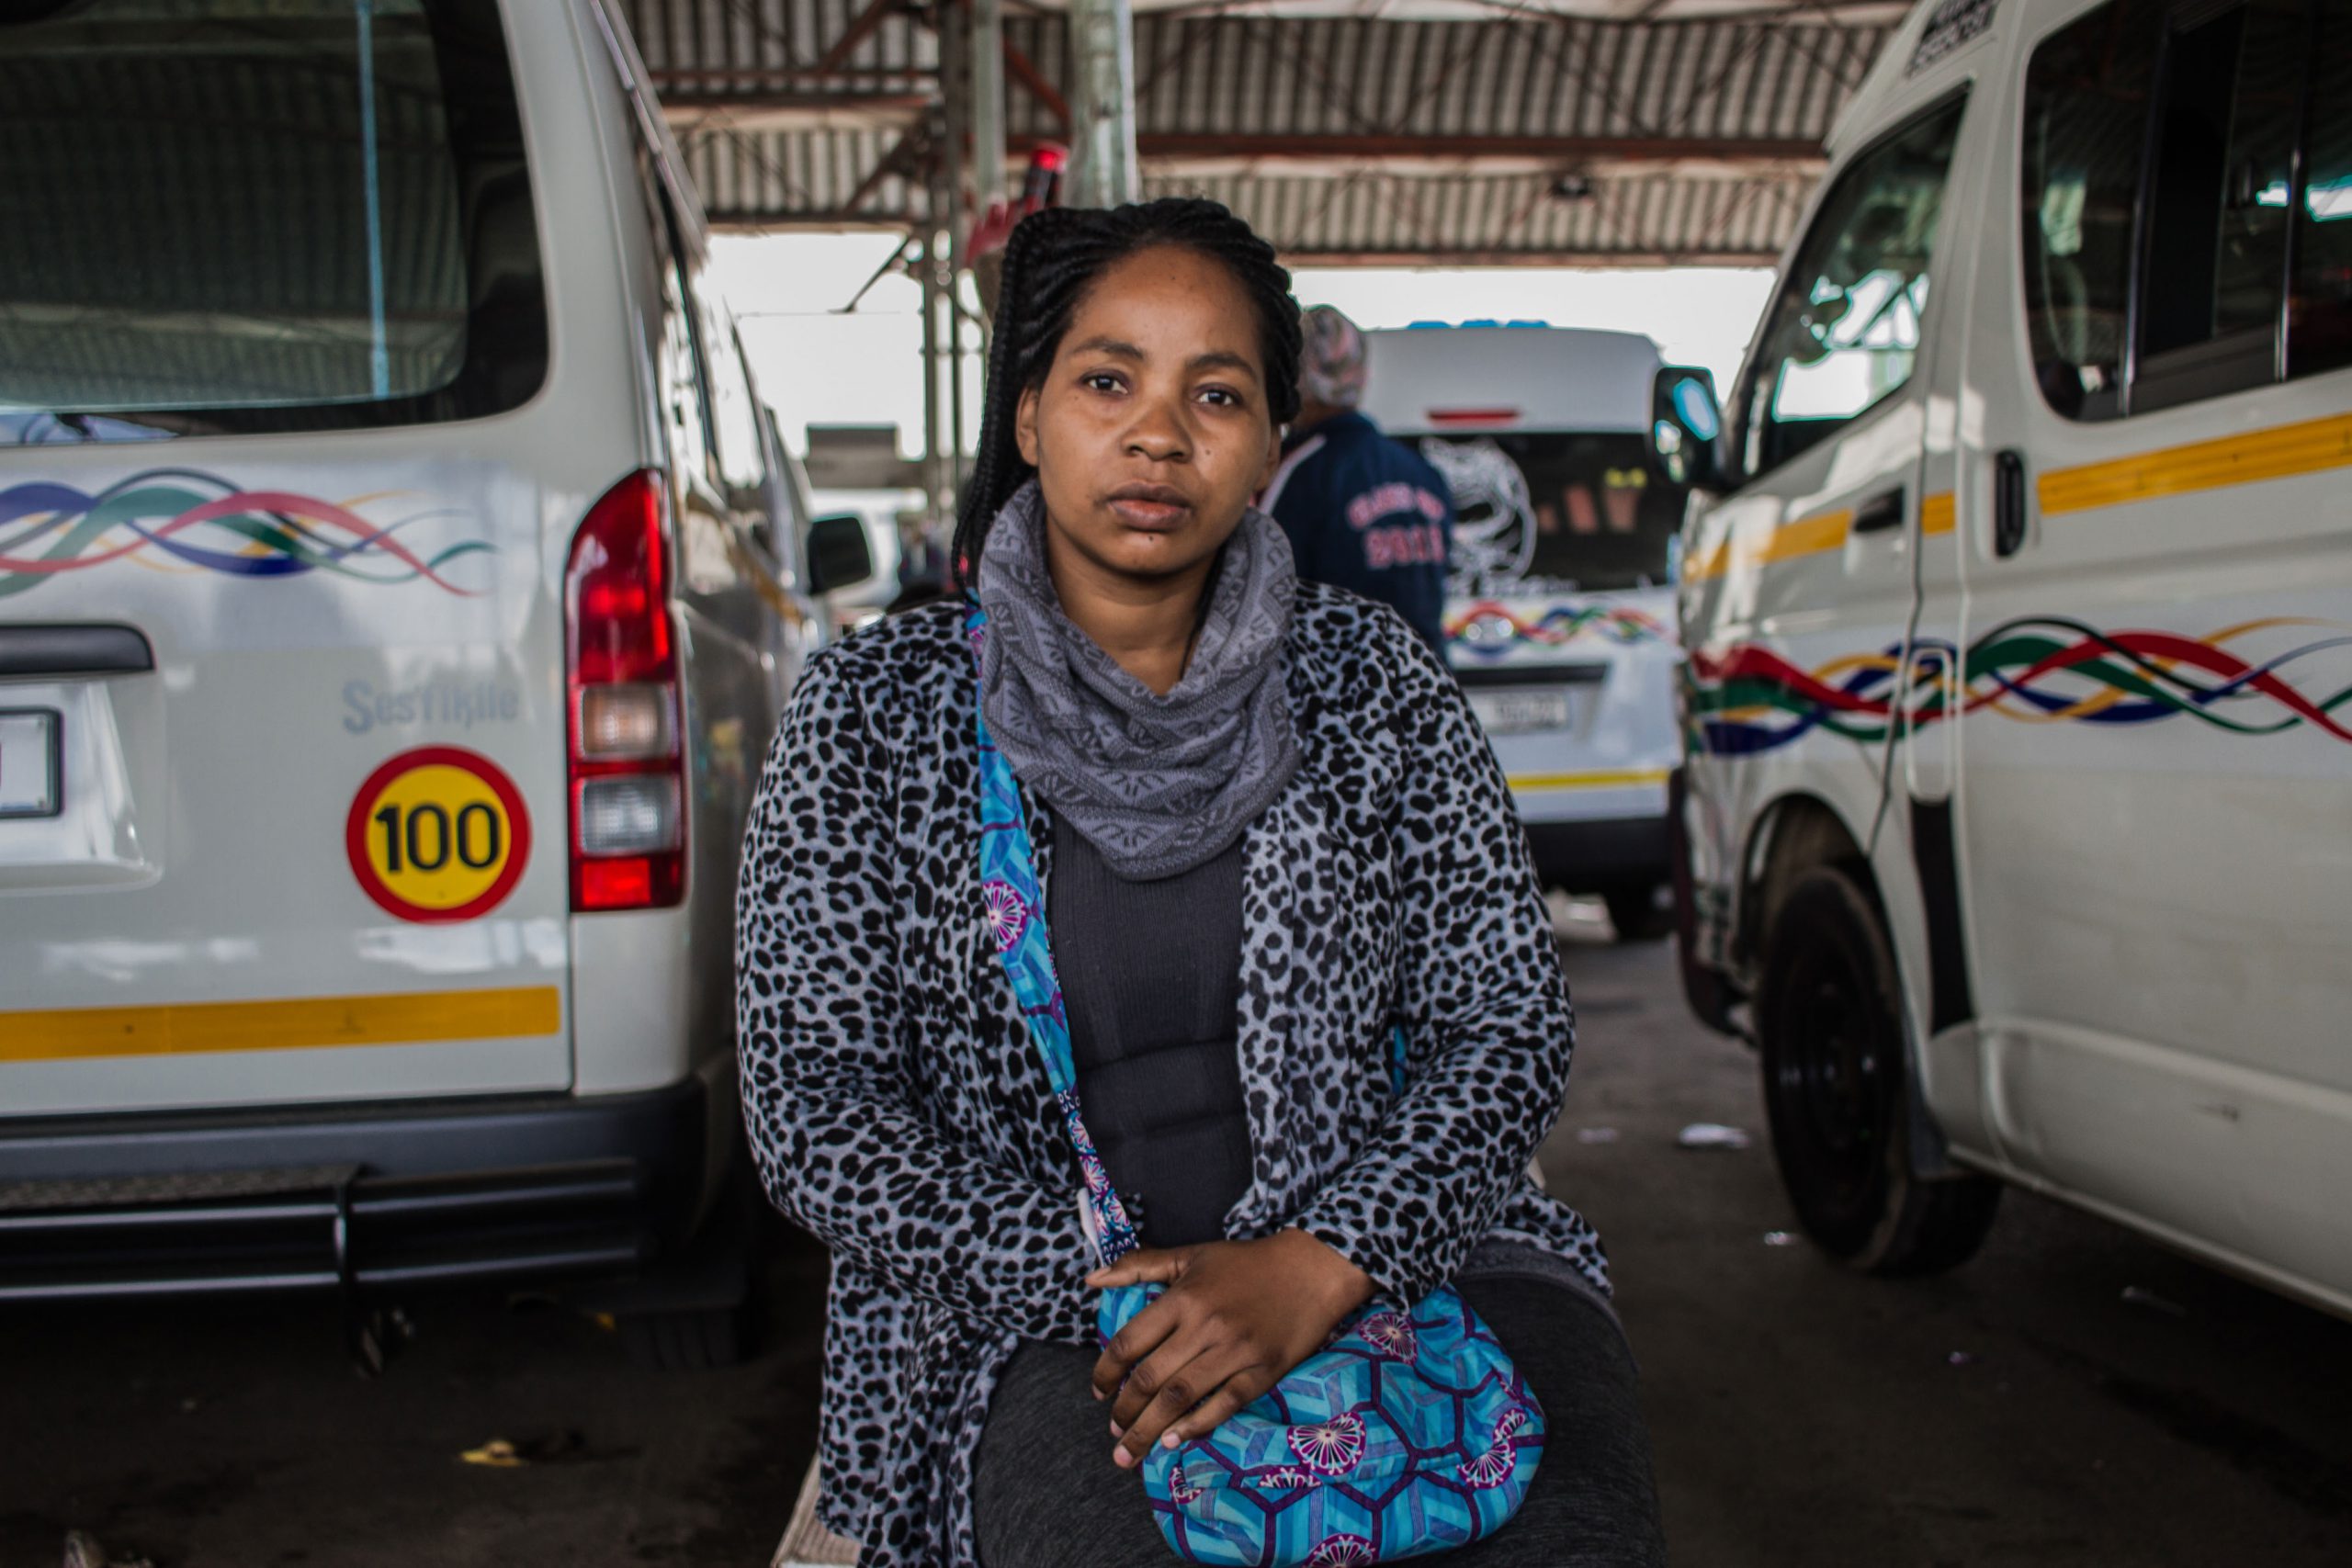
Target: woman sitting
{"type": "Point", "coordinates": [1271, 834]}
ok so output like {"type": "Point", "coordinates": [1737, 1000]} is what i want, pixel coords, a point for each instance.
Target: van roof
{"type": "Point", "coordinates": [1420, 379]}
{"type": "Point", "coordinates": [1935, 30]}
{"type": "Point", "coordinates": [620, 41]}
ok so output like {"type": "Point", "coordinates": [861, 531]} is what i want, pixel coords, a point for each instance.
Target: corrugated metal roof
{"type": "Point", "coordinates": [1337, 137]}
{"type": "Point", "coordinates": [749, 179]}
{"type": "Point", "coordinates": [1510, 76]}
{"type": "Point", "coordinates": [1507, 219]}
{"type": "Point", "coordinates": [779, 124]}
{"type": "Point", "coordinates": [745, 44]}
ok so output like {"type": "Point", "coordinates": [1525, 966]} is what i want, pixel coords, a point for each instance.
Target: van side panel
{"type": "Point", "coordinates": [2154, 880]}
{"type": "Point", "coordinates": [635, 1028]}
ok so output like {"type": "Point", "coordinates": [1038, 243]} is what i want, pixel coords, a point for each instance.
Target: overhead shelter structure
{"type": "Point", "coordinates": [1597, 134]}
{"type": "Point", "coordinates": [1551, 132]}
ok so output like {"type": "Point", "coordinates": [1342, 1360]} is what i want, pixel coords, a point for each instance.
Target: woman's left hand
{"type": "Point", "coordinates": [1236, 1316]}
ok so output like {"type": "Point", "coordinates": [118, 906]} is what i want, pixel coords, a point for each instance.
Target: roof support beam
{"type": "Point", "coordinates": [1033, 82]}
{"type": "Point", "coordinates": [1628, 259]}
{"type": "Point", "coordinates": [1562, 151]}
{"type": "Point", "coordinates": [750, 114]}
{"type": "Point", "coordinates": [812, 220]}
{"type": "Point", "coordinates": [861, 27]}
{"type": "Point", "coordinates": [893, 162]}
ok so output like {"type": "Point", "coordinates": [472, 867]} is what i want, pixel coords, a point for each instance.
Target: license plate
{"type": "Point", "coordinates": [28, 781]}
{"type": "Point", "coordinates": [1519, 712]}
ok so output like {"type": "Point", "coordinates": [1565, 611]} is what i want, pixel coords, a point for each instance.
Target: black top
{"type": "Point", "coordinates": [1369, 515]}
{"type": "Point", "coordinates": [1151, 974]}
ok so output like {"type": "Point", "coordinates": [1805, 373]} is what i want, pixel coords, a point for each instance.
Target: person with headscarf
{"type": "Point", "coordinates": [1363, 513]}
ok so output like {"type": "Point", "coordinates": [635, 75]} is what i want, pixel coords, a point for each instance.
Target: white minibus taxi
{"type": "Point", "coordinates": [1559, 615]}
{"type": "Point", "coordinates": [399, 584]}
{"type": "Point", "coordinates": [2019, 807]}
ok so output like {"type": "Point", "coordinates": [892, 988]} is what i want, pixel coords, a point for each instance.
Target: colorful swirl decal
{"type": "Point", "coordinates": [181, 519]}
{"type": "Point", "coordinates": [2042, 670]}
{"type": "Point", "coordinates": [1490, 630]}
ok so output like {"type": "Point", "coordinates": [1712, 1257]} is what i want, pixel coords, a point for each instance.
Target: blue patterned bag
{"type": "Point", "coordinates": [1410, 1432]}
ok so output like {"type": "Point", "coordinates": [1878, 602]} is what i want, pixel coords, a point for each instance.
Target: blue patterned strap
{"type": "Point", "coordinates": [1016, 906]}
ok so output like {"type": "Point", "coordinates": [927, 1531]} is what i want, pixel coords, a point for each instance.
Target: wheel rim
{"type": "Point", "coordinates": [1833, 1091]}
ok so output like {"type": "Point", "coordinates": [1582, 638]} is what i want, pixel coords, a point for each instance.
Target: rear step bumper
{"type": "Point", "coordinates": [1587, 856]}
{"type": "Point", "coordinates": [348, 1198]}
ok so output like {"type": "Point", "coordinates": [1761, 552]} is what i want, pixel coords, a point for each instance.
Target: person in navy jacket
{"type": "Point", "coordinates": [1363, 513]}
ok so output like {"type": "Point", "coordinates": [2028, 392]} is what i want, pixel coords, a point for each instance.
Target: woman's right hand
{"type": "Point", "coordinates": [1237, 1317]}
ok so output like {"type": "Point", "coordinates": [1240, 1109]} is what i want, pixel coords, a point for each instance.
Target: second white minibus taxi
{"type": "Point", "coordinates": [1563, 449]}
{"type": "Point", "coordinates": [2018, 808]}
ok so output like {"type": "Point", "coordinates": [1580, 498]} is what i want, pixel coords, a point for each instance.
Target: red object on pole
{"type": "Point", "coordinates": [1041, 186]}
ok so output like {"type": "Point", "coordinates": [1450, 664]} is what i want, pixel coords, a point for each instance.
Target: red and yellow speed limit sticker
{"type": "Point", "coordinates": [438, 833]}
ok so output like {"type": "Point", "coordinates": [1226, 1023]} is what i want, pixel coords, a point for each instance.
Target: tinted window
{"type": "Point", "coordinates": [2319, 329]}
{"type": "Point", "coordinates": [687, 411]}
{"type": "Point", "coordinates": [1845, 331]}
{"type": "Point", "coordinates": [742, 458]}
{"type": "Point", "coordinates": [2160, 154]}
{"type": "Point", "coordinates": [1548, 509]}
{"type": "Point", "coordinates": [230, 216]}
{"type": "Point", "coordinates": [2086, 121]}
{"type": "Point", "coordinates": [2220, 203]}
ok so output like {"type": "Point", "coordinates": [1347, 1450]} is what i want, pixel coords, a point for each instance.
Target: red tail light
{"type": "Point", "coordinates": [626, 770]}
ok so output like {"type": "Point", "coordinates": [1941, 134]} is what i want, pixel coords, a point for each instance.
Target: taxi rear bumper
{"type": "Point", "coordinates": [349, 1198]}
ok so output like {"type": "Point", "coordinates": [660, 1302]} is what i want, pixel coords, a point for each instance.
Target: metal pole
{"type": "Point", "coordinates": [954, 42]}
{"type": "Point", "coordinates": [988, 103]}
{"type": "Point", "coordinates": [933, 471]}
{"type": "Point", "coordinates": [1103, 109]}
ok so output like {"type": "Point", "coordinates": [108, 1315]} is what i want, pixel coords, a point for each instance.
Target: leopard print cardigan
{"type": "Point", "coordinates": [897, 1109]}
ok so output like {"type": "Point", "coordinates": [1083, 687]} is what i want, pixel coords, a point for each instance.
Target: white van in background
{"type": "Point", "coordinates": [2019, 808]}
{"type": "Point", "coordinates": [1560, 612]}
{"type": "Point", "coordinates": [399, 584]}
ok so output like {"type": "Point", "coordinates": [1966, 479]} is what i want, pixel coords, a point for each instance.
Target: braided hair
{"type": "Point", "coordinates": [1050, 263]}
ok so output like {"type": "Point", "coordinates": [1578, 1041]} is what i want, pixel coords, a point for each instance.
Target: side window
{"type": "Point", "coordinates": [2085, 119]}
{"type": "Point", "coordinates": [2219, 203]}
{"type": "Point", "coordinates": [686, 405]}
{"type": "Point", "coordinates": [735, 410]}
{"type": "Point", "coordinates": [1845, 331]}
{"type": "Point", "coordinates": [2166, 133]}
{"type": "Point", "coordinates": [2319, 313]}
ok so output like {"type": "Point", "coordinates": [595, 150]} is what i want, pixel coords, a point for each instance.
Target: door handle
{"type": "Point", "coordinates": [74, 651]}
{"type": "Point", "coordinates": [1880, 512]}
{"type": "Point", "coordinates": [2009, 502]}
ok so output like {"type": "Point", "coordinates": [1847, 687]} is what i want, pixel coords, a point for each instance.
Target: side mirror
{"type": "Point", "coordinates": [1687, 441]}
{"type": "Point", "coordinates": [838, 554]}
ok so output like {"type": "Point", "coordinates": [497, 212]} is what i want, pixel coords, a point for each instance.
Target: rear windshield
{"type": "Point", "coordinates": [261, 215]}
{"type": "Point", "coordinates": [1557, 509]}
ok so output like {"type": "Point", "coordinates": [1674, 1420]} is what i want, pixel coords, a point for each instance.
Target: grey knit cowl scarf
{"type": "Point", "coordinates": [1158, 784]}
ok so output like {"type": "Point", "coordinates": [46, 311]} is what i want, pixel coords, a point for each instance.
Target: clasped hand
{"type": "Point", "coordinates": [1237, 1316]}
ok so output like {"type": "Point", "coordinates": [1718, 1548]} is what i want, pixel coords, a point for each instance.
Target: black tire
{"type": "Point", "coordinates": [1829, 1023]}
{"type": "Point", "coordinates": [693, 1339]}
{"type": "Point", "coordinates": [700, 1308]}
{"type": "Point", "coordinates": [1639, 911]}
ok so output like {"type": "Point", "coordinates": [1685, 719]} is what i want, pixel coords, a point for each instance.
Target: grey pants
{"type": "Point", "coordinates": [1048, 1496]}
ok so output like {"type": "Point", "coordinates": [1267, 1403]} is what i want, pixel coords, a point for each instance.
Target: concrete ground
{"type": "Point", "coordinates": [2019, 1411]}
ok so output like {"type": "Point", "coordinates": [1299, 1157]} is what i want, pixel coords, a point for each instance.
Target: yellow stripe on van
{"type": "Point", "coordinates": [2313, 447]}
{"type": "Point", "coordinates": [1618, 780]}
{"type": "Point", "coordinates": [1806, 536]}
{"type": "Point", "coordinates": [2308, 448]}
{"type": "Point", "coordinates": [295, 1024]}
